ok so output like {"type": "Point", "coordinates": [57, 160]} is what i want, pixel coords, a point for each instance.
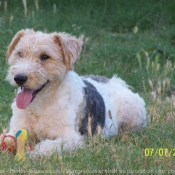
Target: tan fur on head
{"type": "Point", "coordinates": [70, 48]}
{"type": "Point", "coordinates": [26, 49]}
{"type": "Point", "coordinates": [13, 43]}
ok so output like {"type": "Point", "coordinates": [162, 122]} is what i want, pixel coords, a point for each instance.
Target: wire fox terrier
{"type": "Point", "coordinates": [54, 104]}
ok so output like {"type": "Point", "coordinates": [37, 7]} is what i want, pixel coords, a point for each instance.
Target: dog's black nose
{"type": "Point", "coordinates": [20, 79]}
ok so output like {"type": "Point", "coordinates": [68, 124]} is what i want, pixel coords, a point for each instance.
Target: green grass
{"type": "Point", "coordinates": [144, 59]}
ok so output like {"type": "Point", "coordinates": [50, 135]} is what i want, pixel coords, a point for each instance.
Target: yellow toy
{"type": "Point", "coordinates": [21, 138]}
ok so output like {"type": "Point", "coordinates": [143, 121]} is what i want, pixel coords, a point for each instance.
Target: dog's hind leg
{"type": "Point", "coordinates": [131, 113]}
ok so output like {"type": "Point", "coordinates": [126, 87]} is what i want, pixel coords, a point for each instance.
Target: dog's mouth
{"type": "Point", "coordinates": [26, 96]}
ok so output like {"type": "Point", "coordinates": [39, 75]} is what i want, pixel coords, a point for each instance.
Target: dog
{"type": "Point", "coordinates": [56, 105]}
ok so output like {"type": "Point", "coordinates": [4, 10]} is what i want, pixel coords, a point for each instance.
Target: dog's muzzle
{"type": "Point", "coordinates": [26, 96]}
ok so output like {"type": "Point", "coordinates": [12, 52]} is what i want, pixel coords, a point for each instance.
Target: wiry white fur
{"type": "Point", "coordinates": [52, 118]}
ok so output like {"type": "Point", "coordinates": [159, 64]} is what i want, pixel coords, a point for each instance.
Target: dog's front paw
{"type": "Point", "coordinates": [34, 154]}
{"type": "Point", "coordinates": [41, 151]}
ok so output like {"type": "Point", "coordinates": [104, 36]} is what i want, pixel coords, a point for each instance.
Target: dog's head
{"type": "Point", "coordinates": [37, 58]}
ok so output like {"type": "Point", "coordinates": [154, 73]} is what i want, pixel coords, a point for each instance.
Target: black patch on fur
{"type": "Point", "coordinates": [100, 79]}
{"type": "Point", "coordinates": [95, 108]}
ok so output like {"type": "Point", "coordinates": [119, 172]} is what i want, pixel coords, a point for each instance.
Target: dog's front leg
{"type": "Point", "coordinates": [48, 147]}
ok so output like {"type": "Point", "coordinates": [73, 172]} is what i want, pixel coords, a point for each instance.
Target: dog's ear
{"type": "Point", "coordinates": [13, 43]}
{"type": "Point", "coordinates": [70, 48]}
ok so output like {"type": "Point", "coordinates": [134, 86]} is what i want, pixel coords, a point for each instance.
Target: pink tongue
{"type": "Point", "coordinates": [24, 98]}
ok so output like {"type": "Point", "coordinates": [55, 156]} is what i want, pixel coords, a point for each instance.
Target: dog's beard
{"type": "Point", "coordinates": [26, 96]}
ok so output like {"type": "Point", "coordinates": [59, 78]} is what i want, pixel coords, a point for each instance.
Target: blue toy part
{"type": "Point", "coordinates": [18, 133]}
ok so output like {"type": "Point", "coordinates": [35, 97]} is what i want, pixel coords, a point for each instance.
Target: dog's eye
{"type": "Point", "coordinates": [44, 57]}
{"type": "Point", "coordinates": [20, 54]}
